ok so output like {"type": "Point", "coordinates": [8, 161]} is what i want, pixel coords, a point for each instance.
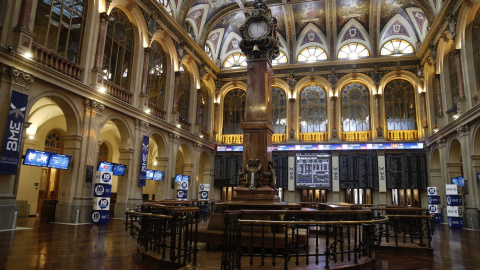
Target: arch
{"type": "Point", "coordinates": [408, 36]}
{"type": "Point", "coordinates": [214, 39]}
{"type": "Point", "coordinates": [186, 150]}
{"type": "Point", "coordinates": [230, 86]}
{"type": "Point", "coordinates": [168, 46]}
{"type": "Point", "coordinates": [435, 161]}
{"type": "Point", "coordinates": [400, 105]}
{"type": "Point", "coordinates": [311, 36]}
{"type": "Point", "coordinates": [355, 111]}
{"type": "Point", "coordinates": [226, 50]}
{"type": "Point", "coordinates": [312, 79]}
{"type": "Point", "coordinates": [359, 77]}
{"type": "Point", "coordinates": [361, 37]}
{"type": "Point", "coordinates": [161, 142]}
{"type": "Point", "coordinates": [135, 16]}
{"type": "Point", "coordinates": [476, 140]}
{"type": "Point", "coordinates": [455, 151]}
{"type": "Point", "coordinates": [123, 127]}
{"type": "Point", "coordinates": [189, 63]}
{"type": "Point", "coordinates": [279, 83]}
{"type": "Point", "coordinates": [405, 75]}
{"type": "Point", "coordinates": [66, 104]}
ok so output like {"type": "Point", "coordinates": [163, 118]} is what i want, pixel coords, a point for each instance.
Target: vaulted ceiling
{"type": "Point", "coordinates": [328, 24]}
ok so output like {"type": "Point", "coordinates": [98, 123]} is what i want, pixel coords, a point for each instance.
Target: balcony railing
{"type": "Point", "coordinates": [157, 111]}
{"type": "Point", "coordinates": [356, 136]}
{"type": "Point", "coordinates": [205, 134]}
{"type": "Point", "coordinates": [118, 92]}
{"type": "Point", "coordinates": [279, 138]}
{"type": "Point", "coordinates": [55, 61]}
{"type": "Point", "coordinates": [184, 123]}
{"type": "Point", "coordinates": [232, 138]}
{"type": "Point", "coordinates": [314, 137]}
{"type": "Point", "coordinates": [402, 135]}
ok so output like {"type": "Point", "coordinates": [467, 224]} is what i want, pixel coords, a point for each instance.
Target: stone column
{"type": "Point", "coordinates": [134, 191]}
{"type": "Point", "coordinates": [439, 94]}
{"type": "Point", "coordinates": [458, 65]}
{"type": "Point", "coordinates": [16, 80]}
{"type": "Point", "coordinates": [188, 169]}
{"type": "Point", "coordinates": [378, 112]}
{"type": "Point", "coordinates": [199, 102]}
{"type": "Point", "coordinates": [194, 178]}
{"type": "Point", "coordinates": [173, 145]}
{"type": "Point", "coordinates": [424, 110]}
{"type": "Point", "coordinates": [126, 157]}
{"type": "Point", "coordinates": [334, 117]}
{"type": "Point", "coordinates": [146, 62]}
{"type": "Point", "coordinates": [102, 32]}
{"type": "Point", "coordinates": [291, 132]}
{"type": "Point", "coordinates": [22, 34]}
{"type": "Point", "coordinates": [161, 187]}
{"type": "Point", "coordinates": [215, 117]}
{"type": "Point", "coordinates": [175, 91]}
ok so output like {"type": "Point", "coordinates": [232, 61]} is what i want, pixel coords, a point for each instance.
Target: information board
{"type": "Point", "coordinates": [226, 170]}
{"type": "Point", "coordinates": [358, 171]}
{"type": "Point", "coordinates": [406, 171]}
{"type": "Point", "coordinates": [313, 170]}
{"type": "Point", "coordinates": [280, 164]}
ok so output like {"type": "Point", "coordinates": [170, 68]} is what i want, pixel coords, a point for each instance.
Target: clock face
{"type": "Point", "coordinates": [257, 29]}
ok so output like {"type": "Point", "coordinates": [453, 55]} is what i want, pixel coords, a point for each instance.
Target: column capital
{"type": "Point", "coordinates": [93, 106]}
{"type": "Point", "coordinates": [464, 130]}
{"type": "Point", "coordinates": [441, 142]}
{"type": "Point", "coordinates": [19, 78]}
{"type": "Point", "coordinates": [141, 124]}
{"type": "Point", "coordinates": [334, 98]}
{"type": "Point", "coordinates": [104, 17]}
{"type": "Point", "coordinates": [174, 137]}
{"type": "Point", "coordinates": [377, 96]}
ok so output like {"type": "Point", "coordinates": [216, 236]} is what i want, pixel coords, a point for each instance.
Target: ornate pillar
{"type": "Point", "coordinates": [334, 117]}
{"type": "Point", "coordinates": [424, 110]}
{"type": "Point", "coordinates": [175, 113]}
{"type": "Point", "coordinates": [22, 34]}
{"type": "Point", "coordinates": [161, 187]}
{"type": "Point", "coordinates": [134, 191]}
{"type": "Point", "coordinates": [102, 32]}
{"type": "Point", "coordinates": [458, 65]}
{"type": "Point", "coordinates": [291, 132]}
{"type": "Point", "coordinates": [126, 157]}
{"type": "Point", "coordinates": [146, 61]}
{"type": "Point", "coordinates": [215, 118]}
{"type": "Point", "coordinates": [378, 111]}
{"type": "Point", "coordinates": [173, 145]}
{"type": "Point", "coordinates": [199, 102]}
{"type": "Point", "coordinates": [12, 79]}
{"type": "Point", "coordinates": [439, 94]}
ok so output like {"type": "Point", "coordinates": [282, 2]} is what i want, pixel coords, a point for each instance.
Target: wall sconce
{"type": "Point", "coordinates": [102, 90]}
{"type": "Point", "coordinates": [28, 55]}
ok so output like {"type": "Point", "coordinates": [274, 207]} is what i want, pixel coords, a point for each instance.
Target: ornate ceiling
{"type": "Point", "coordinates": [328, 24]}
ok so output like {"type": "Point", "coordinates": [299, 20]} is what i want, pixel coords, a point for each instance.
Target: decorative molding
{"type": "Point", "coordinates": [464, 130]}
{"type": "Point", "coordinates": [93, 106]}
{"type": "Point", "coordinates": [141, 124]}
{"type": "Point", "coordinates": [441, 142]}
{"type": "Point", "coordinates": [174, 137]}
{"type": "Point", "coordinates": [19, 78]}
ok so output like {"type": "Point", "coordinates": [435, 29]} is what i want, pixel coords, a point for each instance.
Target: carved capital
{"type": "Point", "coordinates": [441, 142]}
{"type": "Point", "coordinates": [174, 137]}
{"type": "Point", "coordinates": [198, 146]}
{"type": "Point", "coordinates": [377, 96]}
{"type": "Point", "coordinates": [93, 106]}
{"type": "Point", "coordinates": [104, 16]}
{"type": "Point", "coordinates": [140, 124]}
{"type": "Point", "coordinates": [19, 78]}
{"type": "Point", "coordinates": [464, 130]}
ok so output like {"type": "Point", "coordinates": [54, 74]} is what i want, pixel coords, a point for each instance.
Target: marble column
{"type": "Point", "coordinates": [175, 91]}
{"type": "Point", "coordinates": [102, 32]}
{"type": "Point", "coordinates": [22, 34]}
{"type": "Point", "coordinates": [25, 13]}
{"type": "Point", "coordinates": [126, 157]}
{"type": "Point", "coordinates": [439, 94]}
{"type": "Point", "coordinates": [173, 145]}
{"type": "Point", "coordinates": [378, 113]}
{"type": "Point", "coordinates": [458, 65]}
{"type": "Point", "coordinates": [199, 102]}
{"type": "Point", "coordinates": [215, 117]}
{"type": "Point", "coordinates": [291, 132]}
{"type": "Point", "coordinates": [334, 117]}
{"type": "Point", "coordinates": [424, 110]}
{"type": "Point", "coordinates": [134, 191]}
{"type": "Point", "coordinates": [146, 62]}
{"type": "Point", "coordinates": [16, 80]}
{"type": "Point", "coordinates": [161, 187]}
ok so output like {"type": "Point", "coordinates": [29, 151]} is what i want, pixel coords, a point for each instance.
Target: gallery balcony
{"type": "Point", "coordinates": [356, 136]}
{"type": "Point", "coordinates": [313, 136]}
{"type": "Point", "coordinates": [402, 135]}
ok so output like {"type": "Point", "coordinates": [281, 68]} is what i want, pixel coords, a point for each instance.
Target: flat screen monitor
{"type": "Point", "coordinates": [313, 171]}
{"type": "Point", "coordinates": [150, 174]}
{"type": "Point", "coordinates": [178, 178]}
{"type": "Point", "coordinates": [478, 176]}
{"type": "Point", "coordinates": [36, 158]}
{"type": "Point", "coordinates": [185, 178]}
{"type": "Point", "coordinates": [119, 169]}
{"type": "Point", "coordinates": [58, 161]}
{"type": "Point", "coordinates": [455, 180]}
{"type": "Point", "coordinates": [158, 176]}
{"type": "Point", "coordinates": [104, 166]}
{"type": "Point", "coordinates": [461, 181]}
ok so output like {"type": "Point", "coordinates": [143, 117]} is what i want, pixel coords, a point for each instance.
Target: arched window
{"type": "Point", "coordinates": [157, 75]}
{"type": "Point", "coordinates": [400, 105]}
{"type": "Point", "coordinates": [355, 108]}
{"type": "Point", "coordinates": [281, 59]}
{"type": "Point", "coordinates": [279, 107]}
{"type": "Point", "coordinates": [313, 109]}
{"type": "Point", "coordinates": [476, 47]}
{"type": "Point", "coordinates": [236, 60]}
{"type": "Point", "coordinates": [311, 54]}
{"type": "Point", "coordinates": [189, 29]}
{"type": "Point", "coordinates": [103, 152]}
{"type": "Point", "coordinates": [353, 51]}
{"type": "Point", "coordinates": [166, 4]}
{"type": "Point", "coordinates": [117, 58]}
{"type": "Point", "coordinates": [203, 112]}
{"type": "Point", "coordinates": [59, 26]}
{"type": "Point", "coordinates": [54, 142]}
{"type": "Point", "coordinates": [452, 76]}
{"type": "Point", "coordinates": [396, 47]}
{"type": "Point", "coordinates": [209, 52]}
{"type": "Point", "coordinates": [184, 94]}
{"type": "Point", "coordinates": [233, 111]}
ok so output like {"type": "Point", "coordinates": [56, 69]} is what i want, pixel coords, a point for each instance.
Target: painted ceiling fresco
{"type": "Point", "coordinates": [352, 9]}
{"type": "Point", "coordinates": [298, 21]}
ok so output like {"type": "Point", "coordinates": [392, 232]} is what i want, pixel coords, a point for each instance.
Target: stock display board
{"type": "Point", "coordinates": [358, 171]}
{"type": "Point", "coordinates": [226, 170]}
{"type": "Point", "coordinates": [406, 170]}
{"type": "Point", "coordinates": [313, 170]}
{"type": "Point", "coordinates": [280, 164]}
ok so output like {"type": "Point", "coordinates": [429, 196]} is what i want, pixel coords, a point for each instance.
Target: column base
{"type": "Point", "coordinates": [8, 213]}
{"type": "Point", "coordinates": [78, 211]}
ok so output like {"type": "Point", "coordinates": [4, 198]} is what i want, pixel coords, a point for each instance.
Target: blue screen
{"type": "Point", "coordinates": [185, 178]}
{"type": "Point", "coordinates": [58, 161]}
{"type": "Point", "coordinates": [119, 169]}
{"type": "Point", "coordinates": [105, 166]}
{"type": "Point", "coordinates": [461, 181]}
{"type": "Point", "coordinates": [178, 178]}
{"type": "Point", "coordinates": [478, 176]}
{"type": "Point", "coordinates": [36, 158]}
{"type": "Point", "coordinates": [455, 181]}
{"type": "Point", "coordinates": [158, 176]}
{"type": "Point", "coordinates": [150, 174]}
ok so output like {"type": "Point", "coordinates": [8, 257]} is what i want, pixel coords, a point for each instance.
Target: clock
{"type": "Point", "coordinates": [257, 29]}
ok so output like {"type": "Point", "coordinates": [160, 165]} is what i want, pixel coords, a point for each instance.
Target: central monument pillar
{"type": "Point", "coordinates": [260, 45]}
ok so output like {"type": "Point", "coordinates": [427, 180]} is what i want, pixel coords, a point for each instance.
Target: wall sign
{"type": "Point", "coordinates": [142, 178]}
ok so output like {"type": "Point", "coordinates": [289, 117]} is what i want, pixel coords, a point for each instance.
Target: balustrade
{"type": "Point", "coordinates": [232, 138]}
{"type": "Point", "coordinates": [402, 135]}
{"type": "Point", "coordinates": [184, 123]}
{"type": "Point", "coordinates": [117, 91]}
{"type": "Point", "coordinates": [279, 137]}
{"type": "Point", "coordinates": [356, 136]}
{"type": "Point", "coordinates": [56, 62]}
{"type": "Point", "coordinates": [157, 111]}
{"type": "Point", "coordinates": [314, 136]}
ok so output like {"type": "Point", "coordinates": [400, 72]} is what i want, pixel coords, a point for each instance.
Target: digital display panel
{"type": "Point", "coordinates": [58, 161]}
{"type": "Point", "coordinates": [335, 146]}
{"type": "Point", "coordinates": [461, 181]}
{"type": "Point", "coordinates": [150, 174]}
{"type": "Point", "coordinates": [36, 158]}
{"type": "Point", "coordinates": [104, 166]}
{"type": "Point", "coordinates": [158, 176]}
{"type": "Point", "coordinates": [119, 169]}
{"type": "Point", "coordinates": [455, 181]}
{"type": "Point", "coordinates": [478, 176]}
{"type": "Point", "coordinates": [185, 178]}
{"type": "Point", "coordinates": [178, 178]}
{"type": "Point", "coordinates": [313, 171]}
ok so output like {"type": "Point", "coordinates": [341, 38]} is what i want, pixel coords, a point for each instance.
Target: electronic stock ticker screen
{"type": "Point", "coordinates": [313, 171]}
